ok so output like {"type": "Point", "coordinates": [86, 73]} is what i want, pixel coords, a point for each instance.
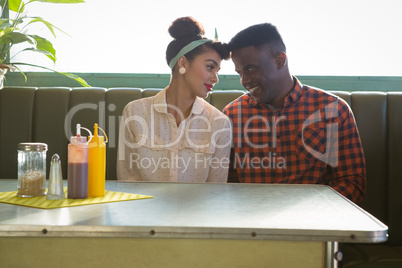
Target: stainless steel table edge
{"type": "Point", "coordinates": [192, 232]}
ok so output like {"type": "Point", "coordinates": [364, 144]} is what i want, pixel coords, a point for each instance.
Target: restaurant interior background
{"type": "Point", "coordinates": [335, 45]}
{"type": "Point", "coordinates": [127, 39]}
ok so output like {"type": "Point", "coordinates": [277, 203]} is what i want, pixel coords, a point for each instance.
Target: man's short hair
{"type": "Point", "coordinates": [257, 35]}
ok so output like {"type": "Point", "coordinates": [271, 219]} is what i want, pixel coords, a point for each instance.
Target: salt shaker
{"type": "Point", "coordinates": [55, 188]}
{"type": "Point", "coordinates": [31, 169]}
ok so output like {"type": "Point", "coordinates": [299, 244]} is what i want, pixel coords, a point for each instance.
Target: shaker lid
{"type": "Point", "coordinates": [55, 159]}
{"type": "Point", "coordinates": [32, 146]}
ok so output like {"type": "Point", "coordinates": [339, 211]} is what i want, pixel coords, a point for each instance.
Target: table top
{"type": "Point", "coordinates": [214, 211]}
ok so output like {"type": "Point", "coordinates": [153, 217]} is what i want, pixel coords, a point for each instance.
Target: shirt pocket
{"type": "Point", "coordinates": [311, 141]}
{"type": "Point", "coordinates": [157, 144]}
{"type": "Point", "coordinates": [201, 148]}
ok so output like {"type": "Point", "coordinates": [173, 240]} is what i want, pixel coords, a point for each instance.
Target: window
{"type": "Point", "coordinates": [344, 37]}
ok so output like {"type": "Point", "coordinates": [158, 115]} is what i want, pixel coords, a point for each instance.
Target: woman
{"type": "Point", "coordinates": [176, 135]}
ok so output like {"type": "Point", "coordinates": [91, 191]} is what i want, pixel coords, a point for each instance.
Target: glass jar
{"type": "Point", "coordinates": [31, 169]}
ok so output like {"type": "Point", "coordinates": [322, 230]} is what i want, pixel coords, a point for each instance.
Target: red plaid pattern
{"type": "Point", "coordinates": [312, 139]}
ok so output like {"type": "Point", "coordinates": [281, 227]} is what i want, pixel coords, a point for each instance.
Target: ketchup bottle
{"type": "Point", "coordinates": [77, 173]}
{"type": "Point", "coordinates": [97, 164]}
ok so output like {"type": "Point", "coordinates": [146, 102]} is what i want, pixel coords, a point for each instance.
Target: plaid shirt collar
{"type": "Point", "coordinates": [161, 104]}
{"type": "Point", "coordinates": [291, 98]}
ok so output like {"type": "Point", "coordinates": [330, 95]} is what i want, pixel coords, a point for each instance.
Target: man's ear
{"type": "Point", "coordinates": [280, 59]}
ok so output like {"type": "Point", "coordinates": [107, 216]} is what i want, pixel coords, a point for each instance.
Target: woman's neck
{"type": "Point", "coordinates": [180, 101]}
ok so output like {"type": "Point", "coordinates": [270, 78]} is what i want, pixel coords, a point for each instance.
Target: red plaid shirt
{"type": "Point", "coordinates": [312, 139]}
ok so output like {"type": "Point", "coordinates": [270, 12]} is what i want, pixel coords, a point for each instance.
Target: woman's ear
{"type": "Point", "coordinates": [280, 59]}
{"type": "Point", "coordinates": [182, 62]}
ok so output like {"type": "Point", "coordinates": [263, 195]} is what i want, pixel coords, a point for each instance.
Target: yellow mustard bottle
{"type": "Point", "coordinates": [97, 164]}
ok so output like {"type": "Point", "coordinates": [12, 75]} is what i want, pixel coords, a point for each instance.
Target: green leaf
{"type": "Point", "coordinates": [76, 78]}
{"type": "Point", "coordinates": [5, 23]}
{"type": "Point", "coordinates": [68, 75]}
{"type": "Point", "coordinates": [7, 37]}
{"type": "Point", "coordinates": [48, 24]}
{"type": "Point", "coordinates": [14, 5]}
{"type": "Point", "coordinates": [45, 47]}
{"type": "Point", "coordinates": [46, 53]}
{"type": "Point", "coordinates": [6, 31]}
{"type": "Point", "coordinates": [26, 78]}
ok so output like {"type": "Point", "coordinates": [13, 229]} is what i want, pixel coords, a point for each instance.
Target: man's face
{"type": "Point", "coordinates": [259, 73]}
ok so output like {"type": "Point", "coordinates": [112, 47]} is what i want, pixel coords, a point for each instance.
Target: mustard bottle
{"type": "Point", "coordinates": [97, 164]}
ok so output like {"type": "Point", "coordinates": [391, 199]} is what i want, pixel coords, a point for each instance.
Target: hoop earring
{"type": "Point", "coordinates": [182, 70]}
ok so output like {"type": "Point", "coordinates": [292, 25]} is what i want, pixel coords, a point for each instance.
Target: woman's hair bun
{"type": "Point", "coordinates": [186, 28]}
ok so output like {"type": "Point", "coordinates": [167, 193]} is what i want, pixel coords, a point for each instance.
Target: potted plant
{"type": "Point", "coordinates": [17, 31]}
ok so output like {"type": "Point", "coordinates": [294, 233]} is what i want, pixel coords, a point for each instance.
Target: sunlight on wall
{"type": "Point", "coordinates": [344, 37]}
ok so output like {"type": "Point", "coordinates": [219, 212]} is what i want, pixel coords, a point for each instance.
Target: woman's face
{"type": "Point", "coordinates": [202, 73]}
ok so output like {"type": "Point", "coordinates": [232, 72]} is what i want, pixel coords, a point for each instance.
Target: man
{"type": "Point", "coordinates": [286, 132]}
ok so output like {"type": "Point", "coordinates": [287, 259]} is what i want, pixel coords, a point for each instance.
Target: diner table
{"type": "Point", "coordinates": [189, 225]}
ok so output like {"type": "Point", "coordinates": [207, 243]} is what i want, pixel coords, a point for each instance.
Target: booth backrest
{"type": "Point", "coordinates": [49, 115]}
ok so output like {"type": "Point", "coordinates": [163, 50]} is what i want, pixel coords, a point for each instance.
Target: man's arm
{"type": "Point", "coordinates": [349, 174]}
